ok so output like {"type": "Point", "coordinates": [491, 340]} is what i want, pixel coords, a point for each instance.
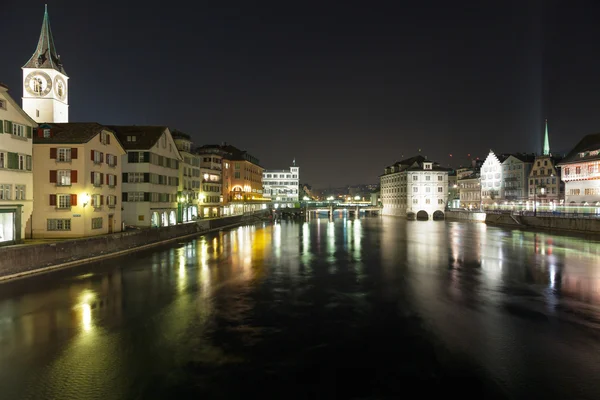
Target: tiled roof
{"type": "Point", "coordinates": [588, 146]}
{"type": "Point", "coordinates": [145, 136]}
{"type": "Point", "coordinates": [45, 55]}
{"type": "Point", "coordinates": [72, 132]}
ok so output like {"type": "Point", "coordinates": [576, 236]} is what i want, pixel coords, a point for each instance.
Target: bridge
{"type": "Point", "coordinates": [332, 206]}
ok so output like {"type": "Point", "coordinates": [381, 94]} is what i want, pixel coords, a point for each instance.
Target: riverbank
{"type": "Point", "coordinates": [587, 226]}
{"type": "Point", "coordinates": [27, 259]}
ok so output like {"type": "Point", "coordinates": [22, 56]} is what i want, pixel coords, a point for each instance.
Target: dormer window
{"type": "Point", "coordinates": [131, 138]}
{"type": "Point", "coordinates": [427, 165]}
{"type": "Point", "coordinates": [2, 104]}
{"type": "Point", "coordinates": [46, 133]}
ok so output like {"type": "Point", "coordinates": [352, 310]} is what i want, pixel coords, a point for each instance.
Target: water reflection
{"type": "Point", "coordinates": [485, 291]}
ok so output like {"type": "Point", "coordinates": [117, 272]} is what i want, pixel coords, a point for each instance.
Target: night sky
{"type": "Point", "coordinates": [344, 87]}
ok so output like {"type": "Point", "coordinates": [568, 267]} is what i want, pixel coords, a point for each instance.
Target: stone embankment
{"type": "Point", "coordinates": [26, 259]}
{"type": "Point", "coordinates": [583, 224]}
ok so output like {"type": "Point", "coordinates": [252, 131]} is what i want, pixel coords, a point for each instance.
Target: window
{"type": "Point", "coordinates": [236, 175]}
{"type": "Point", "coordinates": [428, 178]}
{"type": "Point", "coordinates": [415, 178]}
{"type": "Point", "coordinates": [111, 201]}
{"type": "Point", "coordinates": [415, 189]}
{"type": "Point", "coordinates": [46, 133]}
{"type": "Point", "coordinates": [578, 170]}
{"type": "Point", "coordinates": [59, 224]}
{"type": "Point", "coordinates": [5, 192]}
{"type": "Point", "coordinates": [97, 157]}
{"type": "Point", "coordinates": [19, 192]}
{"type": "Point", "coordinates": [21, 162]}
{"type": "Point", "coordinates": [440, 178]}
{"type": "Point", "coordinates": [111, 160]}
{"type": "Point", "coordinates": [135, 196]}
{"type": "Point", "coordinates": [415, 201]}
{"type": "Point", "coordinates": [440, 201]}
{"type": "Point", "coordinates": [131, 138]}
{"type": "Point", "coordinates": [63, 177]}
{"type": "Point", "coordinates": [18, 130]}
{"type": "Point", "coordinates": [97, 178]}
{"type": "Point", "coordinates": [64, 155]}
{"type": "Point", "coordinates": [97, 223]}
{"type": "Point", "coordinates": [545, 163]}
{"type": "Point", "coordinates": [428, 189]}
{"type": "Point", "coordinates": [440, 189]}
{"type": "Point", "coordinates": [427, 201]}
{"type": "Point", "coordinates": [112, 180]}
{"type": "Point", "coordinates": [135, 177]}
{"type": "Point", "coordinates": [3, 104]}
{"type": "Point", "coordinates": [63, 201]}
{"type": "Point", "coordinates": [2, 160]}
{"type": "Point", "coordinates": [104, 137]}
{"type": "Point", "coordinates": [96, 200]}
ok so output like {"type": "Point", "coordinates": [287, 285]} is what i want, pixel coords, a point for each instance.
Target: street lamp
{"type": "Point", "coordinates": [85, 199]}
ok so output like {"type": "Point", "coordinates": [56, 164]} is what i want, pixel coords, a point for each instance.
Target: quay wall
{"type": "Point", "coordinates": [30, 258]}
{"type": "Point", "coordinates": [466, 216]}
{"type": "Point", "coordinates": [560, 224]}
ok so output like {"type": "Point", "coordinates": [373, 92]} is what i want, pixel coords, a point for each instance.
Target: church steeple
{"type": "Point", "coordinates": [45, 55]}
{"type": "Point", "coordinates": [546, 141]}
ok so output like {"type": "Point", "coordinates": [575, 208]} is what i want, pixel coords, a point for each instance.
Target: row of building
{"type": "Point", "coordinates": [544, 182]}
{"type": "Point", "coordinates": [60, 179]}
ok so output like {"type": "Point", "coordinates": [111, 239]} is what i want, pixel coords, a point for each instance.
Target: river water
{"type": "Point", "coordinates": [367, 308]}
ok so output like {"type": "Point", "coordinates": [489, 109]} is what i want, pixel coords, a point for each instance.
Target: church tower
{"type": "Point", "coordinates": [45, 89]}
{"type": "Point", "coordinates": [546, 141]}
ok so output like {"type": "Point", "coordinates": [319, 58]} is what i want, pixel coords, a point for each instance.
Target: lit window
{"type": "Point", "coordinates": [64, 155]}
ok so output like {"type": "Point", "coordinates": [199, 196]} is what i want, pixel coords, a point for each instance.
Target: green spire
{"type": "Point", "coordinates": [45, 55]}
{"type": "Point", "coordinates": [546, 142]}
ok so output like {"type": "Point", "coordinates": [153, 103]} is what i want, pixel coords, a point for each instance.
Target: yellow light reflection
{"type": "Point", "coordinates": [86, 317]}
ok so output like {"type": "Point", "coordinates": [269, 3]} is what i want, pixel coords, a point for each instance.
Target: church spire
{"type": "Point", "coordinates": [546, 141]}
{"type": "Point", "coordinates": [45, 55]}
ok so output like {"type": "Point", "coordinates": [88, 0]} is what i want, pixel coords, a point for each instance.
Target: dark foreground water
{"type": "Point", "coordinates": [363, 309]}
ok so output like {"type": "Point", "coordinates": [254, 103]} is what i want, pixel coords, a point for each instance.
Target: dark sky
{"type": "Point", "coordinates": [344, 87]}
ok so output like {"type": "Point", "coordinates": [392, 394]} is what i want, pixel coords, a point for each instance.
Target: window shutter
{"type": "Point", "coordinates": [53, 151]}
{"type": "Point", "coordinates": [101, 199]}
{"type": "Point", "coordinates": [107, 138]}
{"type": "Point", "coordinates": [52, 176]}
{"type": "Point", "coordinates": [115, 179]}
{"type": "Point", "coordinates": [92, 155]}
{"type": "Point", "coordinates": [40, 132]}
{"type": "Point", "coordinates": [146, 156]}
{"type": "Point", "coordinates": [100, 137]}
{"type": "Point", "coordinates": [116, 158]}
{"type": "Point", "coordinates": [28, 132]}
{"type": "Point", "coordinates": [107, 179]}
{"type": "Point", "coordinates": [8, 126]}
{"type": "Point", "coordinates": [73, 200]}
{"type": "Point", "coordinates": [92, 177]}
{"type": "Point", "coordinates": [115, 198]}
{"type": "Point", "coordinates": [124, 174]}
{"type": "Point", "coordinates": [101, 177]}
{"type": "Point", "coordinates": [124, 196]}
{"type": "Point", "coordinates": [101, 157]}
{"type": "Point", "coordinates": [146, 196]}
{"type": "Point", "coordinates": [73, 176]}
{"type": "Point", "coordinates": [146, 177]}
{"type": "Point", "coordinates": [74, 153]}
{"type": "Point", "coordinates": [1, 126]}
{"type": "Point", "coordinates": [52, 199]}
{"type": "Point", "coordinates": [13, 161]}
{"type": "Point", "coordinates": [130, 157]}
{"type": "Point", "coordinates": [28, 163]}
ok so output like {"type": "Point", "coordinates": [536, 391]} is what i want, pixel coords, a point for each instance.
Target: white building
{"type": "Point", "coordinates": [415, 188]}
{"type": "Point", "coordinates": [45, 82]}
{"type": "Point", "coordinates": [282, 186]}
{"type": "Point", "coordinates": [580, 171]}
{"type": "Point", "coordinates": [150, 175]}
{"type": "Point", "coordinates": [492, 182]}
{"type": "Point", "coordinates": [16, 175]}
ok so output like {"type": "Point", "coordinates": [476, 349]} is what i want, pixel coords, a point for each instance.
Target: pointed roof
{"type": "Point", "coordinates": [546, 142]}
{"type": "Point", "coordinates": [45, 55]}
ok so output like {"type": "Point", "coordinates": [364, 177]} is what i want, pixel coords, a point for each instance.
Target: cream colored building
{"type": "Point", "coordinates": [45, 82]}
{"type": "Point", "coordinates": [16, 176]}
{"type": "Point", "coordinates": [188, 193]}
{"type": "Point", "coordinates": [211, 171]}
{"type": "Point", "coordinates": [150, 175]}
{"type": "Point", "coordinates": [414, 188]}
{"type": "Point", "coordinates": [77, 184]}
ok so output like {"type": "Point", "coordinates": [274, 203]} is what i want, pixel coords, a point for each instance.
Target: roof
{"type": "Point", "coordinates": [72, 132]}
{"type": "Point", "coordinates": [585, 150]}
{"type": "Point", "coordinates": [416, 164]}
{"type": "Point", "coordinates": [474, 175]}
{"type": "Point", "coordinates": [146, 136]}
{"type": "Point", "coordinates": [45, 55]}
{"type": "Point", "coordinates": [13, 104]}
{"type": "Point", "coordinates": [180, 135]}
{"type": "Point", "coordinates": [230, 152]}
{"type": "Point", "coordinates": [524, 157]}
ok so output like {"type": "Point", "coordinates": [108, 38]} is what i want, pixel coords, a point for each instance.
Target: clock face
{"type": "Point", "coordinates": [60, 87]}
{"type": "Point", "coordinates": [38, 83]}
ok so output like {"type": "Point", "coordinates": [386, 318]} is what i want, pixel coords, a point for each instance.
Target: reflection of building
{"type": "Point", "coordinates": [188, 191]}
{"type": "Point", "coordinates": [77, 190]}
{"type": "Point", "coordinates": [515, 171]}
{"type": "Point", "coordinates": [150, 175]}
{"type": "Point", "coordinates": [281, 186]}
{"type": "Point", "coordinates": [45, 91]}
{"type": "Point", "coordinates": [414, 187]}
{"type": "Point", "coordinates": [242, 189]}
{"type": "Point", "coordinates": [580, 170]}
{"type": "Point", "coordinates": [16, 177]}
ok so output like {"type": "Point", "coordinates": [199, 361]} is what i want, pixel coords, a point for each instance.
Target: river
{"type": "Point", "coordinates": [367, 308]}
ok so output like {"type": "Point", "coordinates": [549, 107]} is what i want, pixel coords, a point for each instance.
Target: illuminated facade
{"type": "Point", "coordinates": [282, 186]}
{"type": "Point", "coordinates": [515, 174]}
{"type": "Point", "coordinates": [45, 82]}
{"type": "Point", "coordinates": [545, 186]}
{"type": "Point", "coordinates": [77, 187]}
{"type": "Point", "coordinates": [211, 172]}
{"type": "Point", "coordinates": [469, 186]}
{"type": "Point", "coordinates": [580, 171]}
{"type": "Point", "coordinates": [188, 193]}
{"type": "Point", "coordinates": [150, 175]}
{"type": "Point", "coordinates": [16, 176]}
{"type": "Point", "coordinates": [492, 182]}
{"type": "Point", "coordinates": [414, 188]}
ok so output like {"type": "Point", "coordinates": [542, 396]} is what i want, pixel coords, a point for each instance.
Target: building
{"type": "Point", "coordinates": [282, 186]}
{"type": "Point", "coordinates": [150, 175]}
{"type": "Point", "coordinates": [77, 181]}
{"type": "Point", "coordinates": [492, 182]}
{"type": "Point", "coordinates": [211, 171]}
{"type": "Point", "coordinates": [415, 188]}
{"type": "Point", "coordinates": [242, 186]}
{"type": "Point", "coordinates": [580, 171]}
{"type": "Point", "coordinates": [470, 191]}
{"type": "Point", "coordinates": [16, 175]}
{"type": "Point", "coordinates": [45, 82]}
{"type": "Point", "coordinates": [453, 190]}
{"type": "Point", "coordinates": [188, 192]}
{"type": "Point", "coordinates": [515, 177]}
{"type": "Point", "coordinates": [546, 189]}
